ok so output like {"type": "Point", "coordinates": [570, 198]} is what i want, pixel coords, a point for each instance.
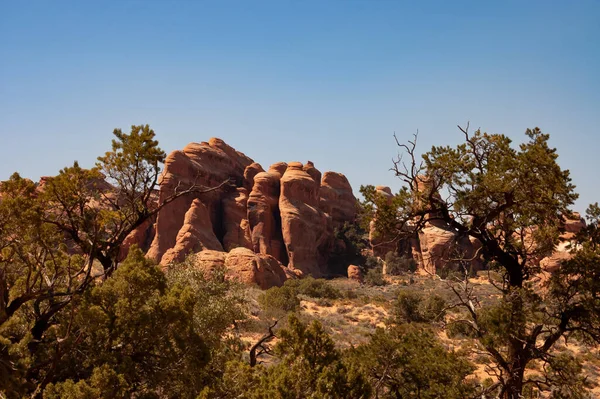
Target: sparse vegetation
{"type": "Point", "coordinates": [79, 321]}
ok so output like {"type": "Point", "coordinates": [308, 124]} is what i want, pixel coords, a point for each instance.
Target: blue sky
{"type": "Point", "coordinates": [326, 81]}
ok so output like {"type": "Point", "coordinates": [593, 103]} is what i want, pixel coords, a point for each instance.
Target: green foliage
{"type": "Point", "coordinates": [387, 213]}
{"type": "Point", "coordinates": [512, 202]}
{"type": "Point", "coordinates": [374, 277]}
{"type": "Point", "coordinates": [137, 334]}
{"type": "Point", "coordinates": [413, 307]}
{"type": "Point", "coordinates": [314, 288]}
{"type": "Point", "coordinates": [355, 241]}
{"type": "Point", "coordinates": [133, 162]}
{"type": "Point", "coordinates": [286, 299]}
{"type": "Point", "coordinates": [97, 208]}
{"type": "Point", "coordinates": [309, 366]}
{"type": "Point", "coordinates": [408, 361]}
{"type": "Point", "coordinates": [277, 299]}
{"type": "Point", "coordinates": [104, 383]}
{"type": "Point", "coordinates": [138, 328]}
{"type": "Point", "coordinates": [396, 265]}
{"type": "Point", "coordinates": [372, 270]}
{"type": "Point", "coordinates": [219, 302]}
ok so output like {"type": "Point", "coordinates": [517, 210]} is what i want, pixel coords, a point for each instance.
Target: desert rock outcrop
{"type": "Point", "coordinates": [337, 199]}
{"type": "Point", "coordinates": [304, 226]}
{"type": "Point", "coordinates": [207, 164]}
{"type": "Point", "coordinates": [243, 265]}
{"type": "Point", "coordinates": [195, 235]}
{"type": "Point", "coordinates": [278, 215]}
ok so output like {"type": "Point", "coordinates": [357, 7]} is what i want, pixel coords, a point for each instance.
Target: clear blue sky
{"type": "Point", "coordinates": [327, 81]}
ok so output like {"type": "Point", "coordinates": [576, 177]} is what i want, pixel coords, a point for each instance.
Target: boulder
{"type": "Point", "coordinates": [243, 265]}
{"type": "Point", "coordinates": [355, 274]}
{"type": "Point", "coordinates": [250, 268]}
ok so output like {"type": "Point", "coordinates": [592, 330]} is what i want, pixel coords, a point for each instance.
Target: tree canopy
{"type": "Point", "coordinates": [513, 202]}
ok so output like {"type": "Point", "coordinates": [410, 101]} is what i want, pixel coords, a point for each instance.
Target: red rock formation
{"type": "Point", "coordinates": [243, 265]}
{"type": "Point", "coordinates": [309, 168]}
{"type": "Point", "coordinates": [573, 225]}
{"type": "Point", "coordinates": [435, 244]}
{"type": "Point", "coordinates": [235, 222]}
{"type": "Point", "coordinates": [195, 235]}
{"type": "Point", "coordinates": [380, 243]}
{"type": "Point", "coordinates": [249, 173]}
{"type": "Point", "coordinates": [199, 164]}
{"type": "Point", "coordinates": [306, 229]}
{"type": "Point", "coordinates": [355, 274]}
{"type": "Point", "coordinates": [337, 199]}
{"type": "Point", "coordinates": [278, 169]}
{"type": "Point", "coordinates": [141, 236]}
{"type": "Point", "coordinates": [264, 217]}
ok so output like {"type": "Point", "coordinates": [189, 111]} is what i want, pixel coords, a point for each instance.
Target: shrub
{"type": "Point", "coordinates": [396, 265]}
{"type": "Point", "coordinates": [375, 277]}
{"type": "Point", "coordinates": [279, 298]}
{"type": "Point", "coordinates": [286, 299]}
{"type": "Point", "coordinates": [314, 288]}
{"type": "Point", "coordinates": [460, 330]}
{"type": "Point", "coordinates": [411, 307]}
{"type": "Point", "coordinates": [415, 363]}
{"type": "Point", "coordinates": [371, 262]}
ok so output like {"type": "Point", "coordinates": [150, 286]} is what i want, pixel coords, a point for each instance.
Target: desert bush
{"type": "Point", "coordinates": [286, 298]}
{"type": "Point", "coordinates": [314, 288]}
{"type": "Point", "coordinates": [460, 330]}
{"type": "Point", "coordinates": [412, 307]}
{"type": "Point", "coordinates": [409, 361]}
{"type": "Point", "coordinates": [396, 265]}
{"type": "Point", "coordinates": [279, 299]}
{"type": "Point", "coordinates": [375, 277]}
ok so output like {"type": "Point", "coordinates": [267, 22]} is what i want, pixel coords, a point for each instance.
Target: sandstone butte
{"type": "Point", "coordinates": [266, 226]}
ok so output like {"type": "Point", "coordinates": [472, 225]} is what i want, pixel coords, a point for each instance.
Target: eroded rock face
{"type": "Point", "coordinates": [435, 244]}
{"type": "Point", "coordinates": [553, 262]}
{"type": "Point", "coordinates": [278, 169]}
{"type": "Point", "coordinates": [243, 265]}
{"type": "Point", "coordinates": [195, 235]}
{"type": "Point", "coordinates": [309, 168]}
{"type": "Point", "coordinates": [264, 218]}
{"type": "Point", "coordinates": [573, 225]}
{"type": "Point", "coordinates": [306, 229]}
{"type": "Point", "coordinates": [251, 170]}
{"type": "Point", "coordinates": [206, 164]}
{"type": "Point", "coordinates": [141, 236]}
{"type": "Point", "coordinates": [235, 222]}
{"type": "Point", "coordinates": [275, 214]}
{"type": "Point", "coordinates": [337, 199]}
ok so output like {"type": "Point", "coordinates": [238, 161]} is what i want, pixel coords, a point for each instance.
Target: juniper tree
{"type": "Point", "coordinates": [513, 202]}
